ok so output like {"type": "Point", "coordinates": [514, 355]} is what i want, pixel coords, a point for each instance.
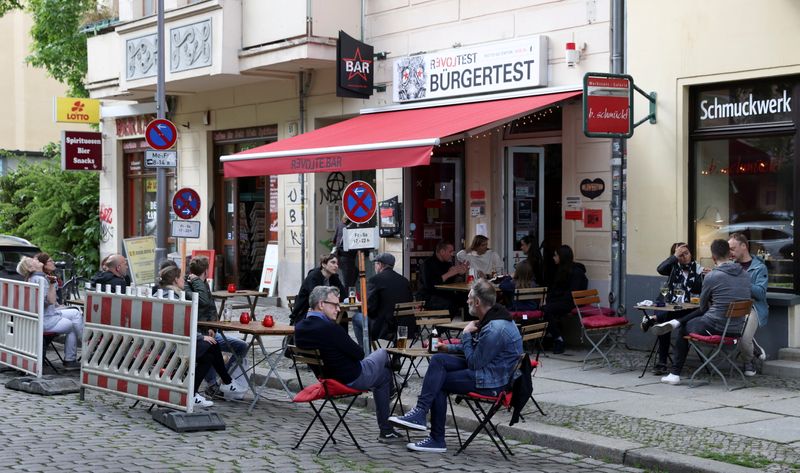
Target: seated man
{"type": "Point", "coordinates": [385, 289]}
{"type": "Point", "coordinates": [726, 283]}
{"type": "Point", "coordinates": [115, 274]}
{"type": "Point", "coordinates": [207, 310]}
{"type": "Point", "coordinates": [757, 270]}
{"type": "Point", "coordinates": [491, 346]}
{"type": "Point", "coordinates": [344, 359]}
{"type": "Point", "coordinates": [439, 269]}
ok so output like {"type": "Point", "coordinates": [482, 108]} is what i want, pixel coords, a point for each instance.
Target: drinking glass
{"type": "Point", "coordinates": [664, 291]}
{"type": "Point", "coordinates": [679, 295]}
{"type": "Point", "coordinates": [352, 295]}
{"type": "Point", "coordinates": [402, 336]}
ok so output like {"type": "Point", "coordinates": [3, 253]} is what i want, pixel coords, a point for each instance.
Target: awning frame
{"type": "Point", "coordinates": [334, 149]}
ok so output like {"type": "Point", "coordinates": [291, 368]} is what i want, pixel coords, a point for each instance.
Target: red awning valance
{"type": "Point", "coordinates": [396, 139]}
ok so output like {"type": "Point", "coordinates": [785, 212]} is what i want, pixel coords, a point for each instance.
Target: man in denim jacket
{"type": "Point", "coordinates": [491, 346]}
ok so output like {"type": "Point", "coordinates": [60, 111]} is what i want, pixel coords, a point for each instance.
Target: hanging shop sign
{"type": "Point", "coordinates": [77, 110]}
{"type": "Point", "coordinates": [354, 67]}
{"type": "Point", "coordinates": [81, 151]}
{"type": "Point", "coordinates": [506, 65]}
{"type": "Point", "coordinates": [608, 105]}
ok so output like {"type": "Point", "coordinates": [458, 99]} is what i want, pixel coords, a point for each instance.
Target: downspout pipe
{"type": "Point", "coordinates": [618, 171]}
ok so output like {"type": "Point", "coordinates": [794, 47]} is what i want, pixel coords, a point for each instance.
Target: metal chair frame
{"type": "Point", "coordinates": [534, 334]}
{"type": "Point", "coordinates": [615, 334]}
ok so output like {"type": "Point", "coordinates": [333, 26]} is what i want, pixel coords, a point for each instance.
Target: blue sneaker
{"type": "Point", "coordinates": [414, 419]}
{"type": "Point", "coordinates": [428, 445]}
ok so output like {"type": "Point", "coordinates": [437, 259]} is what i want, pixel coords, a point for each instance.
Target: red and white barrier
{"type": "Point", "coordinates": [140, 347]}
{"type": "Point", "coordinates": [21, 325]}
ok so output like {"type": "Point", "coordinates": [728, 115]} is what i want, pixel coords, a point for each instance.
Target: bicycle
{"type": "Point", "coordinates": [73, 288]}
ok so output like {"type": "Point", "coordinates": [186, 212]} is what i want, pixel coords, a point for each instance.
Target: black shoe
{"type": "Point", "coordinates": [558, 347]}
{"type": "Point", "coordinates": [660, 369]}
{"type": "Point", "coordinates": [647, 322]}
{"type": "Point", "coordinates": [390, 436]}
{"type": "Point", "coordinates": [71, 365]}
{"type": "Point", "coordinates": [397, 363]}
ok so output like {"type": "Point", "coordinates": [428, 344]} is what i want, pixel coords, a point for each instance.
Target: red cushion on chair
{"type": "Point", "coordinates": [532, 314]}
{"type": "Point", "coordinates": [602, 321]}
{"type": "Point", "coordinates": [506, 397]}
{"type": "Point", "coordinates": [712, 339]}
{"type": "Point", "coordinates": [590, 311]}
{"type": "Point", "coordinates": [317, 391]}
{"type": "Point", "coordinates": [534, 363]}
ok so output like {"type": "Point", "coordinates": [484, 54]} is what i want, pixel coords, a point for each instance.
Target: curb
{"type": "Point", "coordinates": [619, 451]}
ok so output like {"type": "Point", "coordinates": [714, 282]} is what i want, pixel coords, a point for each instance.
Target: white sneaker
{"type": "Point", "coordinates": [672, 379]}
{"type": "Point", "coordinates": [232, 392]}
{"type": "Point", "coordinates": [666, 327]}
{"type": "Point", "coordinates": [200, 401]}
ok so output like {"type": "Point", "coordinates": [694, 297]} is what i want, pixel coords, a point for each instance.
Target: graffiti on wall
{"type": "Point", "coordinates": [106, 223]}
{"type": "Point", "coordinates": [334, 186]}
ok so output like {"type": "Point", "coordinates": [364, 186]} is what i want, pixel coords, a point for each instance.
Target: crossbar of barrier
{"type": "Point", "coordinates": [22, 326]}
{"type": "Point", "coordinates": [141, 347]}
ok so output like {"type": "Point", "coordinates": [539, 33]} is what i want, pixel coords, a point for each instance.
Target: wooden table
{"type": "Point", "coordinates": [256, 330]}
{"type": "Point", "coordinates": [252, 299]}
{"type": "Point", "coordinates": [455, 286]}
{"type": "Point", "coordinates": [76, 302]}
{"type": "Point", "coordinates": [665, 308]}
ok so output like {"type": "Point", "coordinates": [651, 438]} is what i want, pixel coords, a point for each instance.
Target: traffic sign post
{"type": "Point", "coordinates": [359, 202]}
{"type": "Point", "coordinates": [186, 203]}
{"type": "Point", "coordinates": [161, 134]}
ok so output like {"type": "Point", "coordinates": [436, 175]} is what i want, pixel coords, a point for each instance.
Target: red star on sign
{"type": "Point", "coordinates": [356, 65]}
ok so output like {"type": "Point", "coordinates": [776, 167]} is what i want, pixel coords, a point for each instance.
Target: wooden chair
{"type": "Point", "coordinates": [532, 336]}
{"type": "Point", "coordinates": [596, 326]}
{"type": "Point", "coordinates": [290, 302]}
{"type": "Point", "coordinates": [326, 390]}
{"type": "Point", "coordinates": [525, 296]}
{"type": "Point", "coordinates": [721, 348]}
{"type": "Point", "coordinates": [403, 312]}
{"type": "Point", "coordinates": [425, 320]}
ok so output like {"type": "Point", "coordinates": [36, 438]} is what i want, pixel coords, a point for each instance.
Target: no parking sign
{"type": "Point", "coordinates": [358, 202]}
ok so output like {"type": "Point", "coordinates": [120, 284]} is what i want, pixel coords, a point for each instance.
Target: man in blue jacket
{"type": "Point", "coordinates": [757, 270]}
{"type": "Point", "coordinates": [491, 345]}
{"type": "Point", "coordinates": [344, 359]}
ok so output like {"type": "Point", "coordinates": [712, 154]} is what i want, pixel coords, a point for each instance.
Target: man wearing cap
{"type": "Point", "coordinates": [385, 289]}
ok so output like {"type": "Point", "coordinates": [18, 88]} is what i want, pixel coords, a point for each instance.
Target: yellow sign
{"type": "Point", "coordinates": [77, 110]}
{"type": "Point", "coordinates": [141, 259]}
{"type": "Point", "coordinates": [150, 185]}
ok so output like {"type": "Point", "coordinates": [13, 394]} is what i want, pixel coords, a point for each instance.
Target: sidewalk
{"type": "Point", "coordinates": [642, 423]}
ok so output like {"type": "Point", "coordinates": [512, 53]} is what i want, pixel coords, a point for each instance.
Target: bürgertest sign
{"type": "Point", "coordinates": [607, 105]}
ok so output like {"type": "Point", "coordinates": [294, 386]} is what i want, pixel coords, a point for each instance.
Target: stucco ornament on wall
{"type": "Point", "coordinates": [190, 46]}
{"type": "Point", "coordinates": [141, 57]}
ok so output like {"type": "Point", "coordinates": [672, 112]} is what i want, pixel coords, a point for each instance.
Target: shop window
{"type": "Point", "coordinates": [140, 196]}
{"type": "Point", "coordinates": [746, 185]}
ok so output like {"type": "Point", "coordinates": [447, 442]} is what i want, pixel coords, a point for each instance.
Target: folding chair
{"type": "Point", "coordinates": [49, 338]}
{"type": "Point", "coordinates": [475, 402]}
{"type": "Point", "coordinates": [532, 336]}
{"type": "Point", "coordinates": [722, 347]}
{"type": "Point", "coordinates": [528, 295]}
{"type": "Point", "coordinates": [597, 326]}
{"type": "Point", "coordinates": [326, 390]}
{"type": "Point", "coordinates": [425, 320]}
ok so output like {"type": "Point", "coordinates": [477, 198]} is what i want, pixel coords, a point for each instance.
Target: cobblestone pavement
{"type": "Point", "coordinates": [103, 433]}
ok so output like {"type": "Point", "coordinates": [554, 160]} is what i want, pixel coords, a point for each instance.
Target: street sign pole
{"type": "Point", "coordinates": [162, 209]}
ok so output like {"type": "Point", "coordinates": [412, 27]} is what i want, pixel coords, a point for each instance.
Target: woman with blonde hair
{"type": "Point", "coordinates": [57, 319]}
{"type": "Point", "coordinates": [480, 258]}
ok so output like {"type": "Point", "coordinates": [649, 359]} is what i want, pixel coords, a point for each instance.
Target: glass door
{"type": "Point", "coordinates": [525, 177]}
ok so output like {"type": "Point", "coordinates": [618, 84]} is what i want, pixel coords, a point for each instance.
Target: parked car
{"type": "Point", "coordinates": [775, 237]}
{"type": "Point", "coordinates": [12, 249]}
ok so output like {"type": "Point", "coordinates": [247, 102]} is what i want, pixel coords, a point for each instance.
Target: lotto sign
{"type": "Point", "coordinates": [186, 203]}
{"type": "Point", "coordinates": [358, 201]}
{"type": "Point", "coordinates": [161, 134]}
{"type": "Point", "coordinates": [607, 105]}
{"type": "Point", "coordinates": [77, 110]}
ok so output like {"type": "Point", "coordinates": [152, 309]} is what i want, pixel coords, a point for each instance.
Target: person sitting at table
{"type": "Point", "coordinates": [523, 278]}
{"type": "Point", "coordinates": [534, 257]}
{"type": "Point", "coordinates": [491, 347]}
{"type": "Point", "coordinates": [116, 274]}
{"type": "Point", "coordinates": [344, 359]}
{"type": "Point", "coordinates": [439, 269]}
{"type": "Point", "coordinates": [570, 276]}
{"type": "Point", "coordinates": [196, 282]}
{"type": "Point", "coordinates": [325, 275]}
{"type": "Point", "coordinates": [683, 273]}
{"type": "Point", "coordinates": [208, 353]}
{"type": "Point", "coordinates": [726, 283]}
{"type": "Point", "coordinates": [49, 270]}
{"type": "Point", "coordinates": [385, 289]}
{"type": "Point", "coordinates": [481, 259]}
{"type": "Point", "coordinates": [57, 319]}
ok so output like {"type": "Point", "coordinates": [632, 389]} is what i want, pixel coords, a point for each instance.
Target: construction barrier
{"type": "Point", "coordinates": [21, 326]}
{"type": "Point", "coordinates": [140, 346]}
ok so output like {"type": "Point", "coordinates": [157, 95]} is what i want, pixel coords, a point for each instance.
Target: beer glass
{"type": "Point", "coordinates": [402, 337]}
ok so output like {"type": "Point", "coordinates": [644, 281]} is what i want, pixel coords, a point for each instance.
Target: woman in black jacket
{"type": "Point", "coordinates": [570, 276]}
{"type": "Point", "coordinates": [324, 275]}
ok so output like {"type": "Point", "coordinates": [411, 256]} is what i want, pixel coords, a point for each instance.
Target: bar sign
{"type": "Point", "coordinates": [160, 159]}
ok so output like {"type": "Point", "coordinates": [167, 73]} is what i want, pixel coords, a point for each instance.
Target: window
{"type": "Point", "coordinates": [140, 198]}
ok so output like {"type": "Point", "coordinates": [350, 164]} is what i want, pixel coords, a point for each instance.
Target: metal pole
{"type": "Point", "coordinates": [618, 155]}
{"type": "Point", "coordinates": [162, 210]}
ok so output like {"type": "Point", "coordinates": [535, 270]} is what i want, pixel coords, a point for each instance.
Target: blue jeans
{"type": "Point", "coordinates": [358, 327]}
{"type": "Point", "coordinates": [376, 375]}
{"type": "Point", "coordinates": [447, 374]}
{"type": "Point", "coordinates": [234, 345]}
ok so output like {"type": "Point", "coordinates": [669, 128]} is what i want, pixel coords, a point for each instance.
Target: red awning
{"type": "Point", "coordinates": [396, 139]}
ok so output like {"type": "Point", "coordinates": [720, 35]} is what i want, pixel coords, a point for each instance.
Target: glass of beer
{"type": "Point", "coordinates": [402, 337]}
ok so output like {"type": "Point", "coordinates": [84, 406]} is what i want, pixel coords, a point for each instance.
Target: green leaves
{"type": "Point", "coordinates": [56, 210]}
{"type": "Point", "coordinates": [8, 5]}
